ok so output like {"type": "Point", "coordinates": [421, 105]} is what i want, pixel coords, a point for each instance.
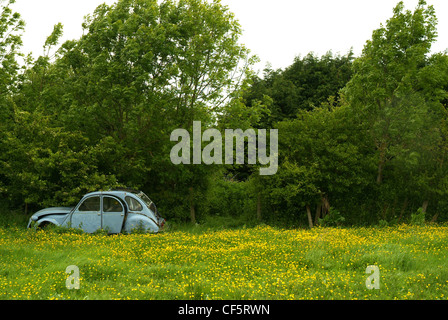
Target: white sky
{"type": "Point", "coordinates": [275, 30]}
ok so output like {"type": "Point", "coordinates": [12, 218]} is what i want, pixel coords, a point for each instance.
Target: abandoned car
{"type": "Point", "coordinates": [116, 211]}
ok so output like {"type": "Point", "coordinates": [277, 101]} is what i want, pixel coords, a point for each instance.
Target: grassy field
{"type": "Point", "coordinates": [249, 263]}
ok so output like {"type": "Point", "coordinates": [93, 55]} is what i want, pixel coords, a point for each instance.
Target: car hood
{"type": "Point", "coordinates": [55, 210]}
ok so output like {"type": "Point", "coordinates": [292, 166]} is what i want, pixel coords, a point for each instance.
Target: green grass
{"type": "Point", "coordinates": [244, 263]}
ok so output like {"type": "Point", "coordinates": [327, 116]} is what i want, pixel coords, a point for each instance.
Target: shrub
{"type": "Point", "coordinates": [418, 218]}
{"type": "Point", "coordinates": [332, 219]}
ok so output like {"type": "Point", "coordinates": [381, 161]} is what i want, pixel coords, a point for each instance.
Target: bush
{"type": "Point", "coordinates": [332, 219]}
{"type": "Point", "coordinates": [418, 219]}
{"type": "Point", "coordinates": [383, 223]}
{"type": "Point", "coordinates": [227, 198]}
{"type": "Point", "coordinates": [9, 219]}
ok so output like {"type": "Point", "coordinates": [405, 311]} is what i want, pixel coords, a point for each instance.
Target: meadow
{"type": "Point", "coordinates": [260, 262]}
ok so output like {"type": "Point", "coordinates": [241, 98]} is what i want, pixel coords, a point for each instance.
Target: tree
{"type": "Point", "coordinates": [142, 69]}
{"type": "Point", "coordinates": [44, 165]}
{"type": "Point", "coordinates": [305, 84]}
{"type": "Point", "coordinates": [379, 150]}
{"type": "Point", "coordinates": [11, 26]}
{"type": "Point", "coordinates": [395, 94]}
{"type": "Point", "coordinates": [323, 164]}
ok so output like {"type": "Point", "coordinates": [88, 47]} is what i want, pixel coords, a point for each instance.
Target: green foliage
{"type": "Point", "coordinates": [47, 166]}
{"type": "Point", "coordinates": [53, 39]}
{"type": "Point", "coordinates": [139, 229]}
{"type": "Point", "coordinates": [142, 70]}
{"type": "Point", "coordinates": [304, 85]}
{"type": "Point", "coordinates": [383, 223]}
{"type": "Point", "coordinates": [12, 219]}
{"type": "Point", "coordinates": [100, 111]}
{"type": "Point", "coordinates": [400, 109]}
{"type": "Point", "coordinates": [333, 219]}
{"type": "Point", "coordinates": [229, 199]}
{"type": "Point", "coordinates": [367, 135]}
{"type": "Point", "coordinates": [418, 218]}
{"type": "Point", "coordinates": [11, 26]}
{"type": "Point", "coordinates": [381, 143]}
{"type": "Point", "coordinates": [328, 160]}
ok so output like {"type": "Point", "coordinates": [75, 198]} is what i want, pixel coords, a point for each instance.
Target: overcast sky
{"type": "Point", "coordinates": [275, 30]}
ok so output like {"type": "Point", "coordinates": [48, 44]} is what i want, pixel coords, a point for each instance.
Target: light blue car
{"type": "Point", "coordinates": [116, 211]}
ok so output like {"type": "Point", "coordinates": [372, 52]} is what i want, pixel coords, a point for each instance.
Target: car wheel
{"type": "Point", "coordinates": [45, 225]}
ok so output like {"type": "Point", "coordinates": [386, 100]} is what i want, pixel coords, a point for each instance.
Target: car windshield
{"type": "Point", "coordinates": [148, 202]}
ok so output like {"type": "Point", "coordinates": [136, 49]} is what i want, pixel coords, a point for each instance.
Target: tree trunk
{"type": "Point", "coordinates": [259, 207]}
{"type": "Point", "coordinates": [192, 211]}
{"type": "Point", "coordinates": [403, 209]}
{"type": "Point", "coordinates": [385, 209]}
{"type": "Point", "coordinates": [382, 161]}
{"type": "Point", "coordinates": [434, 219]}
{"type": "Point", "coordinates": [425, 206]}
{"type": "Point", "coordinates": [317, 216]}
{"type": "Point", "coordinates": [310, 219]}
{"type": "Point", "coordinates": [325, 206]}
{"type": "Point", "coordinates": [379, 177]}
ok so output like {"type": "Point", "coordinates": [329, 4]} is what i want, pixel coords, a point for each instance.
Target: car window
{"type": "Point", "coordinates": [148, 202]}
{"type": "Point", "coordinates": [133, 204]}
{"type": "Point", "coordinates": [111, 205]}
{"type": "Point", "coordinates": [90, 204]}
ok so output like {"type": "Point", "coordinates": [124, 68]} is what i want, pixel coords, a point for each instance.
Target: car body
{"type": "Point", "coordinates": [116, 211]}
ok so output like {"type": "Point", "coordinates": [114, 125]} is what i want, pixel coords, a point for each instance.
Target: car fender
{"type": "Point", "coordinates": [47, 220]}
{"type": "Point", "coordinates": [137, 221]}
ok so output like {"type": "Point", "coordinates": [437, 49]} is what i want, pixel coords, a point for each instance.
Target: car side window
{"type": "Point", "coordinates": [111, 205]}
{"type": "Point", "coordinates": [133, 204]}
{"type": "Point", "coordinates": [90, 204]}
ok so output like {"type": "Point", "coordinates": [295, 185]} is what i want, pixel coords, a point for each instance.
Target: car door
{"type": "Point", "coordinates": [87, 215]}
{"type": "Point", "coordinates": [112, 214]}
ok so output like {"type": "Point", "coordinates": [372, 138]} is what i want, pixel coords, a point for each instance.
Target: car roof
{"type": "Point", "coordinates": [119, 193]}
